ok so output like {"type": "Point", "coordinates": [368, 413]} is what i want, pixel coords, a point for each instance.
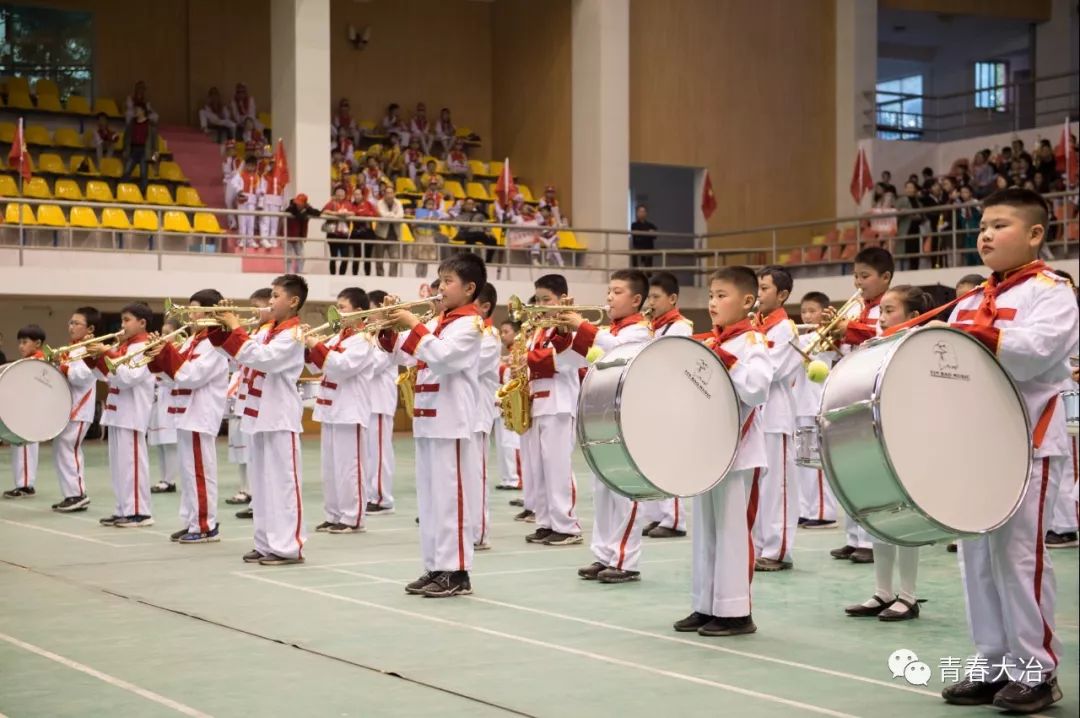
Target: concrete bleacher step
{"type": "Point", "coordinates": [201, 159]}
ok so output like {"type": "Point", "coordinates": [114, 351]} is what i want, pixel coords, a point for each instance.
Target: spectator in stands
{"type": "Point", "coordinates": [551, 201]}
{"type": "Point", "coordinates": [524, 238]}
{"type": "Point", "coordinates": [908, 226]}
{"type": "Point", "coordinates": [252, 136]}
{"type": "Point", "coordinates": [642, 237]}
{"type": "Point", "coordinates": [1045, 163]}
{"type": "Point", "coordinates": [445, 132]}
{"type": "Point", "coordinates": [420, 128]}
{"type": "Point", "coordinates": [940, 224]}
{"type": "Point", "coordinates": [363, 206]}
{"type": "Point", "coordinates": [469, 212]}
{"type": "Point", "coordinates": [296, 226]}
{"type": "Point", "coordinates": [1001, 182]}
{"type": "Point", "coordinates": [546, 248]}
{"type": "Point", "coordinates": [967, 221]}
{"type": "Point", "coordinates": [338, 211]}
{"type": "Point", "coordinates": [104, 137]}
{"type": "Point", "coordinates": [138, 98]}
{"type": "Point", "coordinates": [885, 224]}
{"type": "Point", "coordinates": [433, 193]}
{"type": "Point", "coordinates": [950, 187]}
{"type": "Point", "coordinates": [230, 168]}
{"type": "Point", "coordinates": [388, 207]}
{"type": "Point", "coordinates": [982, 173]}
{"type": "Point", "coordinates": [886, 183]}
{"type": "Point", "coordinates": [914, 178]}
{"type": "Point", "coordinates": [392, 124]}
{"type": "Point", "coordinates": [427, 236]}
{"type": "Point", "coordinates": [430, 175]}
{"type": "Point", "coordinates": [140, 146]}
{"type": "Point", "coordinates": [457, 161]}
{"type": "Point", "coordinates": [1023, 171]}
{"type": "Point", "coordinates": [345, 146]}
{"type": "Point", "coordinates": [343, 120]}
{"type": "Point", "coordinates": [242, 108]}
{"type": "Point", "coordinates": [394, 159]}
{"type": "Point", "coordinates": [1019, 152]}
{"type": "Point", "coordinates": [1041, 185]}
{"type": "Point", "coordinates": [214, 117]}
{"type": "Point", "coordinates": [373, 176]}
{"type": "Point", "coordinates": [413, 159]}
{"type": "Point", "coordinates": [1003, 161]}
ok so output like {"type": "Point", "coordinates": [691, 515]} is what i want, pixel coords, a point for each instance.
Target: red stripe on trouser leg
{"type": "Point", "coordinates": [821, 495]}
{"type": "Point", "coordinates": [299, 502]}
{"type": "Point", "coordinates": [675, 527]}
{"type": "Point", "coordinates": [200, 481]}
{"type": "Point", "coordinates": [460, 508]}
{"type": "Point", "coordinates": [751, 517]}
{"type": "Point", "coordinates": [1040, 550]}
{"type": "Point", "coordinates": [135, 451]}
{"type": "Point", "coordinates": [1076, 475]}
{"type": "Point", "coordinates": [783, 499]}
{"type": "Point", "coordinates": [78, 465]}
{"type": "Point", "coordinates": [379, 480]}
{"type": "Point", "coordinates": [483, 485]}
{"type": "Point", "coordinates": [626, 535]}
{"type": "Point", "coordinates": [517, 460]}
{"type": "Point", "coordinates": [26, 467]}
{"type": "Point", "coordinates": [359, 479]}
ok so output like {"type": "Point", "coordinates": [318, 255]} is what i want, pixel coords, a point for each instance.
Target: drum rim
{"type": "Point", "coordinates": [874, 405]}
{"type": "Point", "coordinates": [6, 433]}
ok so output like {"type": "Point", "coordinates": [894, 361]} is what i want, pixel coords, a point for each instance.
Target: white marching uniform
{"type": "Point", "coordinates": [162, 431]}
{"type": "Point", "coordinates": [667, 513]}
{"type": "Point", "coordinates": [249, 187]}
{"type": "Point", "coordinates": [447, 355]}
{"type": "Point", "coordinates": [816, 500]}
{"type": "Point", "coordinates": [273, 200]}
{"type": "Point", "coordinates": [127, 416]}
{"type": "Point", "coordinates": [230, 168]}
{"type": "Point", "coordinates": [343, 409]}
{"type": "Point", "coordinates": [379, 453]}
{"type": "Point", "coordinates": [200, 378]}
{"type": "Point", "coordinates": [68, 446]}
{"type": "Point", "coordinates": [1008, 577]}
{"type": "Point", "coordinates": [24, 463]}
{"type": "Point", "coordinates": [272, 414]}
{"type": "Point", "coordinates": [488, 378]}
{"type": "Point", "coordinates": [548, 446]}
{"type": "Point", "coordinates": [507, 445]}
{"type": "Point", "coordinates": [723, 553]}
{"type": "Point", "coordinates": [1065, 516]}
{"type": "Point", "coordinates": [616, 538]}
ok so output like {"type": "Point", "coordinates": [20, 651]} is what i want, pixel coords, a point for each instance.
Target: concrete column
{"type": "Point", "coordinates": [600, 115]}
{"type": "Point", "coordinates": [856, 80]}
{"type": "Point", "coordinates": [300, 93]}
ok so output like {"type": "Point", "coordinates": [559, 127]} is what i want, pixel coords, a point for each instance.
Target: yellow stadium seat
{"type": "Point", "coordinates": [366, 125]}
{"type": "Point", "coordinates": [67, 189]}
{"type": "Point", "coordinates": [78, 105]}
{"type": "Point", "coordinates": [48, 162]}
{"type": "Point", "coordinates": [19, 100]}
{"type": "Point", "coordinates": [206, 223]}
{"type": "Point", "coordinates": [158, 194]}
{"type": "Point", "coordinates": [495, 168]}
{"type": "Point", "coordinates": [12, 215]}
{"type": "Point", "coordinates": [111, 167]}
{"type": "Point", "coordinates": [128, 193]}
{"type": "Point", "coordinates": [67, 137]}
{"type": "Point", "coordinates": [83, 217]}
{"type": "Point", "coordinates": [476, 191]}
{"type": "Point", "coordinates": [264, 118]}
{"type": "Point", "coordinates": [463, 131]}
{"type": "Point", "coordinates": [525, 192]}
{"type": "Point", "coordinates": [16, 84]}
{"type": "Point", "coordinates": [405, 185]}
{"type": "Point", "coordinates": [49, 103]}
{"type": "Point", "coordinates": [98, 191]}
{"type": "Point", "coordinates": [7, 132]}
{"type": "Point", "coordinates": [440, 167]}
{"type": "Point", "coordinates": [50, 215]}
{"type": "Point", "coordinates": [500, 238]}
{"type": "Point", "coordinates": [189, 197]}
{"type": "Point", "coordinates": [8, 188]}
{"type": "Point", "coordinates": [817, 239]}
{"type": "Point", "coordinates": [106, 105]}
{"type": "Point", "coordinates": [46, 87]}
{"type": "Point", "coordinates": [112, 218]}
{"type": "Point", "coordinates": [406, 233]}
{"type": "Point", "coordinates": [171, 171]}
{"type": "Point", "coordinates": [455, 189]}
{"type": "Point", "coordinates": [38, 135]}
{"type": "Point", "coordinates": [569, 240]}
{"type": "Point", "coordinates": [479, 169]}
{"type": "Point", "coordinates": [81, 165]}
{"type": "Point", "coordinates": [145, 220]}
{"type": "Point", "coordinates": [176, 221]}
{"type": "Point", "coordinates": [36, 188]}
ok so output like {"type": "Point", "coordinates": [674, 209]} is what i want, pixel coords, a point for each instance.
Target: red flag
{"type": "Point", "coordinates": [280, 173]}
{"type": "Point", "coordinates": [19, 157]}
{"type": "Point", "coordinates": [505, 189]}
{"type": "Point", "coordinates": [1065, 155]}
{"type": "Point", "coordinates": [708, 199]}
{"type": "Point", "coordinates": [861, 182]}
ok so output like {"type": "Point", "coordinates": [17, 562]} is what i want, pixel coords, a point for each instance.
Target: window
{"type": "Point", "coordinates": [900, 108]}
{"type": "Point", "coordinates": [43, 43]}
{"type": "Point", "coordinates": [990, 79]}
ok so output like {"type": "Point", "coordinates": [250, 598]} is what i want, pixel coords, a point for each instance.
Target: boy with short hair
{"type": "Point", "coordinates": [272, 413]}
{"type": "Point", "coordinates": [616, 542]}
{"type": "Point", "coordinates": [666, 518]}
{"type": "Point", "coordinates": [723, 554]}
{"type": "Point", "coordinates": [1027, 316]}
{"type": "Point", "coordinates": [446, 350]}
{"type": "Point", "coordinates": [507, 443]}
{"type": "Point", "coordinates": [24, 459]}
{"type": "Point", "coordinates": [379, 444]}
{"type": "Point", "coordinates": [486, 413]}
{"type": "Point", "coordinates": [68, 446]}
{"type": "Point", "coordinates": [237, 395]}
{"type": "Point", "coordinates": [968, 282]}
{"type": "Point", "coordinates": [816, 500]}
{"type": "Point", "coordinates": [161, 436]}
{"type": "Point", "coordinates": [249, 186]}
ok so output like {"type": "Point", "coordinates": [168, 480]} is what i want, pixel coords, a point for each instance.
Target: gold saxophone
{"type": "Point", "coordinates": [406, 380]}
{"type": "Point", "coordinates": [515, 401]}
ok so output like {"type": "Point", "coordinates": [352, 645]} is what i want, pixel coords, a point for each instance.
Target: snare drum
{"type": "Point", "coordinates": [1071, 400]}
{"type": "Point", "coordinates": [659, 419]}
{"type": "Point", "coordinates": [35, 402]}
{"type": "Point", "coordinates": [924, 437]}
{"type": "Point", "coordinates": [309, 390]}
{"type": "Point", "coordinates": [807, 447]}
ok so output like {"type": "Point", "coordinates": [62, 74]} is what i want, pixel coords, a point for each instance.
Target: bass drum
{"type": "Point", "coordinates": [925, 437]}
{"type": "Point", "coordinates": [659, 419]}
{"type": "Point", "coordinates": [35, 402]}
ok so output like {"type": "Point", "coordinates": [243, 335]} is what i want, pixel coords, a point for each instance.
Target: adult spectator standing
{"type": "Point", "coordinates": [140, 141]}
{"type": "Point", "coordinates": [296, 229]}
{"type": "Point", "coordinates": [908, 226]}
{"type": "Point", "coordinates": [469, 212]}
{"type": "Point", "coordinates": [886, 183]}
{"type": "Point", "coordinates": [338, 211]}
{"type": "Point", "coordinates": [138, 98]}
{"type": "Point", "coordinates": [642, 238]}
{"type": "Point", "coordinates": [389, 207]}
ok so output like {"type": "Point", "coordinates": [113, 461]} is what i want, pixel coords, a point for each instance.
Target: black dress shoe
{"type": "Point", "coordinates": [1022, 698]}
{"type": "Point", "coordinates": [861, 611]}
{"type": "Point", "coordinates": [891, 615]}
{"type": "Point", "coordinates": [723, 626]}
{"type": "Point", "coordinates": [842, 552]}
{"type": "Point", "coordinates": [862, 555]}
{"type": "Point", "coordinates": [590, 572]}
{"type": "Point", "coordinates": [247, 513]}
{"type": "Point", "coordinates": [649, 527]}
{"type": "Point", "coordinates": [972, 693]}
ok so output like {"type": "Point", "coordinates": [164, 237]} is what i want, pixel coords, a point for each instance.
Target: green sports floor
{"type": "Point", "coordinates": [111, 622]}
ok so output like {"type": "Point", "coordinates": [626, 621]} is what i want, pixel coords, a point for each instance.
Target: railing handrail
{"type": "Point", "coordinates": [899, 96]}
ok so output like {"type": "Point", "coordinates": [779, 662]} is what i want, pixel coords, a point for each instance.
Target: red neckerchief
{"type": "Point", "coordinates": [619, 325]}
{"type": "Point", "coordinates": [37, 355]}
{"type": "Point", "coordinates": [469, 310]}
{"type": "Point", "coordinates": [776, 316]}
{"type": "Point", "coordinates": [864, 315]}
{"type": "Point", "coordinates": [195, 341]}
{"type": "Point", "coordinates": [668, 317]}
{"type": "Point", "coordinates": [998, 284]}
{"type": "Point", "coordinates": [121, 349]}
{"type": "Point", "coordinates": [489, 322]}
{"type": "Point", "coordinates": [278, 328]}
{"type": "Point", "coordinates": [731, 331]}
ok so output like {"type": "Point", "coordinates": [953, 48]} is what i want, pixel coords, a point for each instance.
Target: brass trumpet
{"type": "Point", "coordinates": [822, 336]}
{"type": "Point", "coordinates": [138, 358]}
{"type": "Point", "coordinates": [57, 354]}
{"type": "Point", "coordinates": [375, 319]}
{"type": "Point", "coordinates": [183, 312]}
{"type": "Point", "coordinates": [540, 315]}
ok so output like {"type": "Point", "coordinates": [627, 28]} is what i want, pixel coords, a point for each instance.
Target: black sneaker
{"type": "Point", "coordinates": [525, 516]}
{"type": "Point", "coordinates": [802, 521]}
{"type": "Point", "coordinates": [245, 513]}
{"type": "Point", "coordinates": [238, 499]}
{"type": "Point", "coordinates": [538, 535]}
{"type": "Point", "coordinates": [618, 575]}
{"type": "Point", "coordinates": [20, 493]}
{"type": "Point", "coordinates": [769, 565]}
{"type": "Point", "coordinates": [503, 487]}
{"type": "Point", "coordinates": [416, 588]}
{"type": "Point", "coordinates": [346, 529]}
{"type": "Point", "coordinates": [253, 556]}
{"type": "Point", "coordinates": [377, 510]}
{"type": "Point", "coordinates": [693, 622]}
{"type": "Point", "coordinates": [163, 488]}
{"type": "Point", "coordinates": [557, 539]}
{"type": "Point", "coordinates": [323, 527]}
{"type": "Point", "coordinates": [447, 584]}
{"type": "Point", "coordinates": [1021, 698]}
{"type": "Point", "coordinates": [862, 555]}
{"type": "Point", "coordinates": [972, 693]}
{"type": "Point", "coordinates": [109, 520]}
{"type": "Point", "coordinates": [725, 626]}
{"type": "Point", "coordinates": [211, 536]}
{"type": "Point", "coordinates": [819, 524]}
{"type": "Point", "coordinates": [665, 532]}
{"type": "Point", "coordinates": [136, 521]}
{"type": "Point", "coordinates": [952, 547]}
{"type": "Point", "coordinates": [272, 559]}
{"type": "Point", "coordinates": [72, 504]}
{"type": "Point", "coordinates": [649, 527]}
{"type": "Point", "coordinates": [517, 502]}
{"type": "Point", "coordinates": [842, 552]}
{"type": "Point", "coordinates": [1065, 540]}
{"type": "Point", "coordinates": [177, 535]}
{"type": "Point", "coordinates": [590, 572]}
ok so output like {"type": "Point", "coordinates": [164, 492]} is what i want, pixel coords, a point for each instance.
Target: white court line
{"type": "Point", "coordinates": [105, 677]}
{"type": "Point", "coordinates": [676, 639]}
{"type": "Point", "coordinates": [556, 647]}
{"type": "Point", "coordinates": [512, 572]}
{"type": "Point", "coordinates": [65, 533]}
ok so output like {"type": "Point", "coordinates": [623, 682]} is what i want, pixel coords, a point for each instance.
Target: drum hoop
{"type": "Point", "coordinates": [5, 432]}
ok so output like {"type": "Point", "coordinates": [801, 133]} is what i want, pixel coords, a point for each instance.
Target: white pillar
{"type": "Point", "coordinates": [1056, 54]}
{"type": "Point", "coordinates": [300, 93]}
{"type": "Point", "coordinates": [600, 115]}
{"type": "Point", "coordinates": [856, 80]}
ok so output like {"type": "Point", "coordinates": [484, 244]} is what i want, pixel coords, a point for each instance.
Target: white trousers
{"type": "Point", "coordinates": [616, 536]}
{"type": "Point", "coordinates": [130, 470]}
{"type": "Point", "coordinates": [198, 480]}
{"type": "Point", "coordinates": [343, 473]}
{"type": "Point", "coordinates": [379, 470]}
{"type": "Point", "coordinates": [885, 558]}
{"type": "Point", "coordinates": [24, 461]}
{"type": "Point", "coordinates": [778, 501]}
{"type": "Point", "coordinates": [276, 485]}
{"type": "Point", "coordinates": [238, 442]}
{"type": "Point", "coordinates": [1009, 585]}
{"type": "Point", "coordinates": [1066, 512]}
{"type": "Point", "coordinates": [508, 449]}
{"type": "Point", "coordinates": [723, 555]}
{"type": "Point", "coordinates": [444, 468]}
{"type": "Point", "coordinates": [268, 226]}
{"type": "Point", "coordinates": [68, 458]}
{"type": "Point", "coordinates": [856, 535]}
{"type": "Point", "coordinates": [246, 223]}
{"type": "Point", "coordinates": [168, 461]}
{"type": "Point", "coordinates": [481, 519]}
{"type": "Point", "coordinates": [546, 452]}
{"type": "Point", "coordinates": [816, 500]}
{"type": "Point", "coordinates": [669, 513]}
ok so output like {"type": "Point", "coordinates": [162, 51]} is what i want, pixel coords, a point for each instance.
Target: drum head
{"type": "Point", "coordinates": [679, 416]}
{"type": "Point", "coordinates": [35, 401]}
{"type": "Point", "coordinates": [955, 430]}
